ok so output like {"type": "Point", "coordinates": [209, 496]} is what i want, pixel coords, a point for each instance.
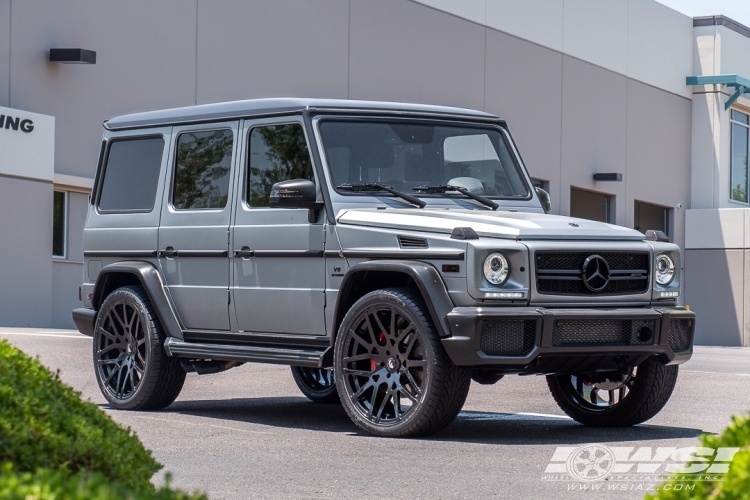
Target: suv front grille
{"type": "Point", "coordinates": [602, 332]}
{"type": "Point", "coordinates": [508, 337]}
{"type": "Point", "coordinates": [680, 334]}
{"type": "Point", "coordinates": [560, 273]}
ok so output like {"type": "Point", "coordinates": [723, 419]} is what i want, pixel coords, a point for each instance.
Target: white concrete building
{"type": "Point", "coordinates": [587, 86]}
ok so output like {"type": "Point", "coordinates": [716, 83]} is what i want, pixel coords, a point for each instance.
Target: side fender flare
{"type": "Point", "coordinates": [424, 275]}
{"type": "Point", "coordinates": [153, 285]}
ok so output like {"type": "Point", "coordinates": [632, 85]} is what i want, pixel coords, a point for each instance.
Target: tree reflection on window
{"type": "Point", "coordinates": [277, 153]}
{"type": "Point", "coordinates": [202, 169]}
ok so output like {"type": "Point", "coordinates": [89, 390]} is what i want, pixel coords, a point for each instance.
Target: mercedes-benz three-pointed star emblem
{"type": "Point", "coordinates": [595, 273]}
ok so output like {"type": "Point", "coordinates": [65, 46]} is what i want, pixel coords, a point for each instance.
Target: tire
{"type": "Point", "coordinates": [131, 367]}
{"type": "Point", "coordinates": [318, 384]}
{"type": "Point", "coordinates": [397, 380]}
{"type": "Point", "coordinates": [643, 394]}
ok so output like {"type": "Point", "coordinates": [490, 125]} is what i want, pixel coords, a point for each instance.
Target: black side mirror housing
{"type": "Point", "coordinates": [296, 193]}
{"type": "Point", "coordinates": [544, 199]}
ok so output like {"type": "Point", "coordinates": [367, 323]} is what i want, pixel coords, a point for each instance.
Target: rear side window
{"type": "Point", "coordinates": [204, 162]}
{"type": "Point", "coordinates": [131, 175]}
{"type": "Point", "coordinates": [277, 153]}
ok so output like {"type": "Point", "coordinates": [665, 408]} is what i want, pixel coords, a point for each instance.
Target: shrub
{"type": "Point", "coordinates": [48, 484]}
{"type": "Point", "coordinates": [45, 425]}
{"type": "Point", "coordinates": [735, 484]}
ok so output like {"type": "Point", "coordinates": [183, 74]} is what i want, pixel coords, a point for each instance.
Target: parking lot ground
{"type": "Point", "coordinates": [249, 433]}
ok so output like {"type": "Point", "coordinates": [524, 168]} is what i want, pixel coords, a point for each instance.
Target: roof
{"type": "Point", "coordinates": [277, 106]}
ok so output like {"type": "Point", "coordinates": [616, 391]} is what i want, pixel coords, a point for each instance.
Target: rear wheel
{"type": "Point", "coordinates": [617, 402]}
{"type": "Point", "coordinates": [392, 373]}
{"type": "Point", "coordinates": [131, 367]}
{"type": "Point", "coordinates": [318, 384]}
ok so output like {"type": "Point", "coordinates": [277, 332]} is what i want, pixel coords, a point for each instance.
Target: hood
{"type": "Point", "coordinates": [500, 224]}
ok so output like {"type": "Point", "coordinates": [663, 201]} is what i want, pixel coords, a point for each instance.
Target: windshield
{"type": "Point", "coordinates": [404, 156]}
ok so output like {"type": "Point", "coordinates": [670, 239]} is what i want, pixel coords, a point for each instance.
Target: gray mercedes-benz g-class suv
{"type": "Point", "coordinates": [389, 253]}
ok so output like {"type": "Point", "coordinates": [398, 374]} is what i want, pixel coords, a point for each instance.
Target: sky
{"type": "Point", "coordinates": [739, 10]}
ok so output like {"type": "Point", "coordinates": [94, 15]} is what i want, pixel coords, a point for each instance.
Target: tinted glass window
{"type": "Point", "coordinates": [58, 224]}
{"type": "Point", "coordinates": [740, 154]}
{"type": "Point", "coordinates": [277, 153]}
{"type": "Point", "coordinates": [131, 175]}
{"type": "Point", "coordinates": [409, 155]}
{"type": "Point", "coordinates": [204, 162]}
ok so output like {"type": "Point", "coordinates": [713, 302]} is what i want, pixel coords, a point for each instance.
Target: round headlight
{"type": "Point", "coordinates": [496, 268]}
{"type": "Point", "coordinates": [664, 269]}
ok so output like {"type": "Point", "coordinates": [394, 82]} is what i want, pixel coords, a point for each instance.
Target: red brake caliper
{"type": "Point", "coordinates": [381, 341]}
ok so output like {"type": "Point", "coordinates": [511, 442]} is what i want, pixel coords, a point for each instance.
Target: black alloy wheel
{"type": "Point", "coordinates": [620, 402]}
{"type": "Point", "coordinates": [131, 367]}
{"type": "Point", "coordinates": [318, 384]}
{"type": "Point", "coordinates": [393, 376]}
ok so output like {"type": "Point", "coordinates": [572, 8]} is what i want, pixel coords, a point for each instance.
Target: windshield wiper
{"type": "Point", "coordinates": [442, 188]}
{"type": "Point", "coordinates": [374, 187]}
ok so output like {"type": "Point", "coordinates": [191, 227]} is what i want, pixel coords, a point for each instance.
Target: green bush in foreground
{"type": "Point", "coordinates": [45, 425]}
{"type": "Point", "coordinates": [735, 484]}
{"type": "Point", "coordinates": [47, 484]}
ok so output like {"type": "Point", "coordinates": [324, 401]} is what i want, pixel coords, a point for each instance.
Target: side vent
{"type": "Point", "coordinates": [411, 242]}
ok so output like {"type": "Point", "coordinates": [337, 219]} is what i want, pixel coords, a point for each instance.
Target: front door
{"type": "Point", "coordinates": [194, 229]}
{"type": "Point", "coordinates": [278, 262]}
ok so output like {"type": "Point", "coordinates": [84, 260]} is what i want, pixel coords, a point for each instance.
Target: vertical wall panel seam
{"type": "Point", "coordinates": [562, 111]}
{"type": "Point", "coordinates": [10, 49]}
{"type": "Point", "coordinates": [196, 51]}
{"type": "Point", "coordinates": [349, 53]}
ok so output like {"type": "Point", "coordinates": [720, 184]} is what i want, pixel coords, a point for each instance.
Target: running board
{"type": "Point", "coordinates": [295, 356]}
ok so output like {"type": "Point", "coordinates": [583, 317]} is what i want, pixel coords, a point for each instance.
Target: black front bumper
{"type": "Point", "coordinates": [538, 340]}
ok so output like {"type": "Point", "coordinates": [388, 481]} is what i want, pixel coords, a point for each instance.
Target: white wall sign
{"type": "Point", "coordinates": [27, 144]}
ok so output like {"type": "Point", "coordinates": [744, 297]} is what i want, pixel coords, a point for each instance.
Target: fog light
{"type": "Point", "coordinates": [503, 295]}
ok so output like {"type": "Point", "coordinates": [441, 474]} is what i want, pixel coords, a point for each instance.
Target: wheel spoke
{"type": "Point", "coordinates": [358, 357]}
{"type": "Point", "coordinates": [361, 341]}
{"type": "Point", "coordinates": [594, 396]}
{"type": "Point", "coordinates": [119, 320]}
{"type": "Point", "coordinates": [412, 339]}
{"type": "Point", "coordinates": [410, 395]}
{"type": "Point", "coordinates": [109, 335]}
{"type": "Point", "coordinates": [413, 382]}
{"type": "Point", "coordinates": [362, 390]}
{"type": "Point", "coordinates": [373, 399]}
{"type": "Point", "coordinates": [380, 323]}
{"type": "Point", "coordinates": [611, 397]}
{"type": "Point", "coordinates": [415, 363]}
{"type": "Point", "coordinates": [357, 373]}
{"type": "Point", "coordinates": [392, 329]}
{"type": "Point", "coordinates": [386, 398]}
{"type": "Point", "coordinates": [107, 349]}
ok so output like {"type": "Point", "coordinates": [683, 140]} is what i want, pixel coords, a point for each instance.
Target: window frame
{"type": "Point", "coordinates": [746, 126]}
{"type": "Point", "coordinates": [524, 174]}
{"type": "Point", "coordinates": [102, 173]}
{"type": "Point", "coordinates": [171, 183]}
{"type": "Point", "coordinates": [245, 178]}
{"type": "Point", "coordinates": [66, 204]}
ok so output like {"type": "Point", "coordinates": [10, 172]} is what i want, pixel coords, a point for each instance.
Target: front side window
{"type": "Point", "coordinates": [202, 169]}
{"type": "Point", "coordinates": [277, 153]}
{"type": "Point", "coordinates": [739, 177]}
{"type": "Point", "coordinates": [405, 155]}
{"type": "Point", "coordinates": [131, 175]}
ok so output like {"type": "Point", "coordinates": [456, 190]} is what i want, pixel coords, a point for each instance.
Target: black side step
{"type": "Point", "coordinates": [310, 357]}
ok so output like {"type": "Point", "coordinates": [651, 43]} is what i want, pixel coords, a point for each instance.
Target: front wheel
{"type": "Point", "coordinates": [393, 376]}
{"type": "Point", "coordinates": [318, 384]}
{"type": "Point", "coordinates": [626, 400]}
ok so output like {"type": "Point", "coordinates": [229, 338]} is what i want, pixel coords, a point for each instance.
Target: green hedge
{"type": "Point", "coordinates": [735, 484]}
{"type": "Point", "coordinates": [54, 445]}
{"type": "Point", "coordinates": [47, 484]}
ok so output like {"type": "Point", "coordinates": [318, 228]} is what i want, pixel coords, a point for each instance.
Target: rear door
{"type": "Point", "coordinates": [194, 229]}
{"type": "Point", "coordinates": [278, 262]}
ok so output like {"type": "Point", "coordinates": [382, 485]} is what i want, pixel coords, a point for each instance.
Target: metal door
{"type": "Point", "coordinates": [194, 229]}
{"type": "Point", "coordinates": [278, 261]}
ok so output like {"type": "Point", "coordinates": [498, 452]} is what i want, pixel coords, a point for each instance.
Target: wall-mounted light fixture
{"type": "Point", "coordinates": [72, 56]}
{"type": "Point", "coordinates": [608, 177]}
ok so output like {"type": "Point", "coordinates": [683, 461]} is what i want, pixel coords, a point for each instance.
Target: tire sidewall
{"type": "Point", "coordinates": [327, 395]}
{"type": "Point", "coordinates": [130, 296]}
{"type": "Point", "coordinates": [367, 303]}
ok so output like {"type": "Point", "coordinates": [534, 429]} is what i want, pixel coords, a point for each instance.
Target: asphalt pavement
{"type": "Point", "coordinates": [249, 433]}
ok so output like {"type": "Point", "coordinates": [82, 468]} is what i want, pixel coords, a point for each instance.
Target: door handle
{"type": "Point", "coordinates": [244, 252]}
{"type": "Point", "coordinates": [169, 252]}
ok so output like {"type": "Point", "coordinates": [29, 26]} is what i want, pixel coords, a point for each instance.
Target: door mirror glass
{"type": "Point", "coordinates": [296, 193]}
{"type": "Point", "coordinates": [544, 199]}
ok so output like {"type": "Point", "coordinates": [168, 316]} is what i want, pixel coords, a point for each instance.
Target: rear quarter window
{"type": "Point", "coordinates": [131, 175]}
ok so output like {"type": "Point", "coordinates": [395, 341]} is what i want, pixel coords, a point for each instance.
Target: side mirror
{"type": "Point", "coordinates": [544, 199]}
{"type": "Point", "coordinates": [296, 193]}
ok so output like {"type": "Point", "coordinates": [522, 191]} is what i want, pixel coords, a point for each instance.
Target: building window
{"type": "Point", "coordinates": [59, 224]}
{"type": "Point", "coordinates": [739, 177]}
{"type": "Point", "coordinates": [591, 205]}
{"type": "Point", "coordinates": [650, 216]}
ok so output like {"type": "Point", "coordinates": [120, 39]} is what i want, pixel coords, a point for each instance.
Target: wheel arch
{"type": "Point", "coordinates": [125, 273]}
{"type": "Point", "coordinates": [366, 277]}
